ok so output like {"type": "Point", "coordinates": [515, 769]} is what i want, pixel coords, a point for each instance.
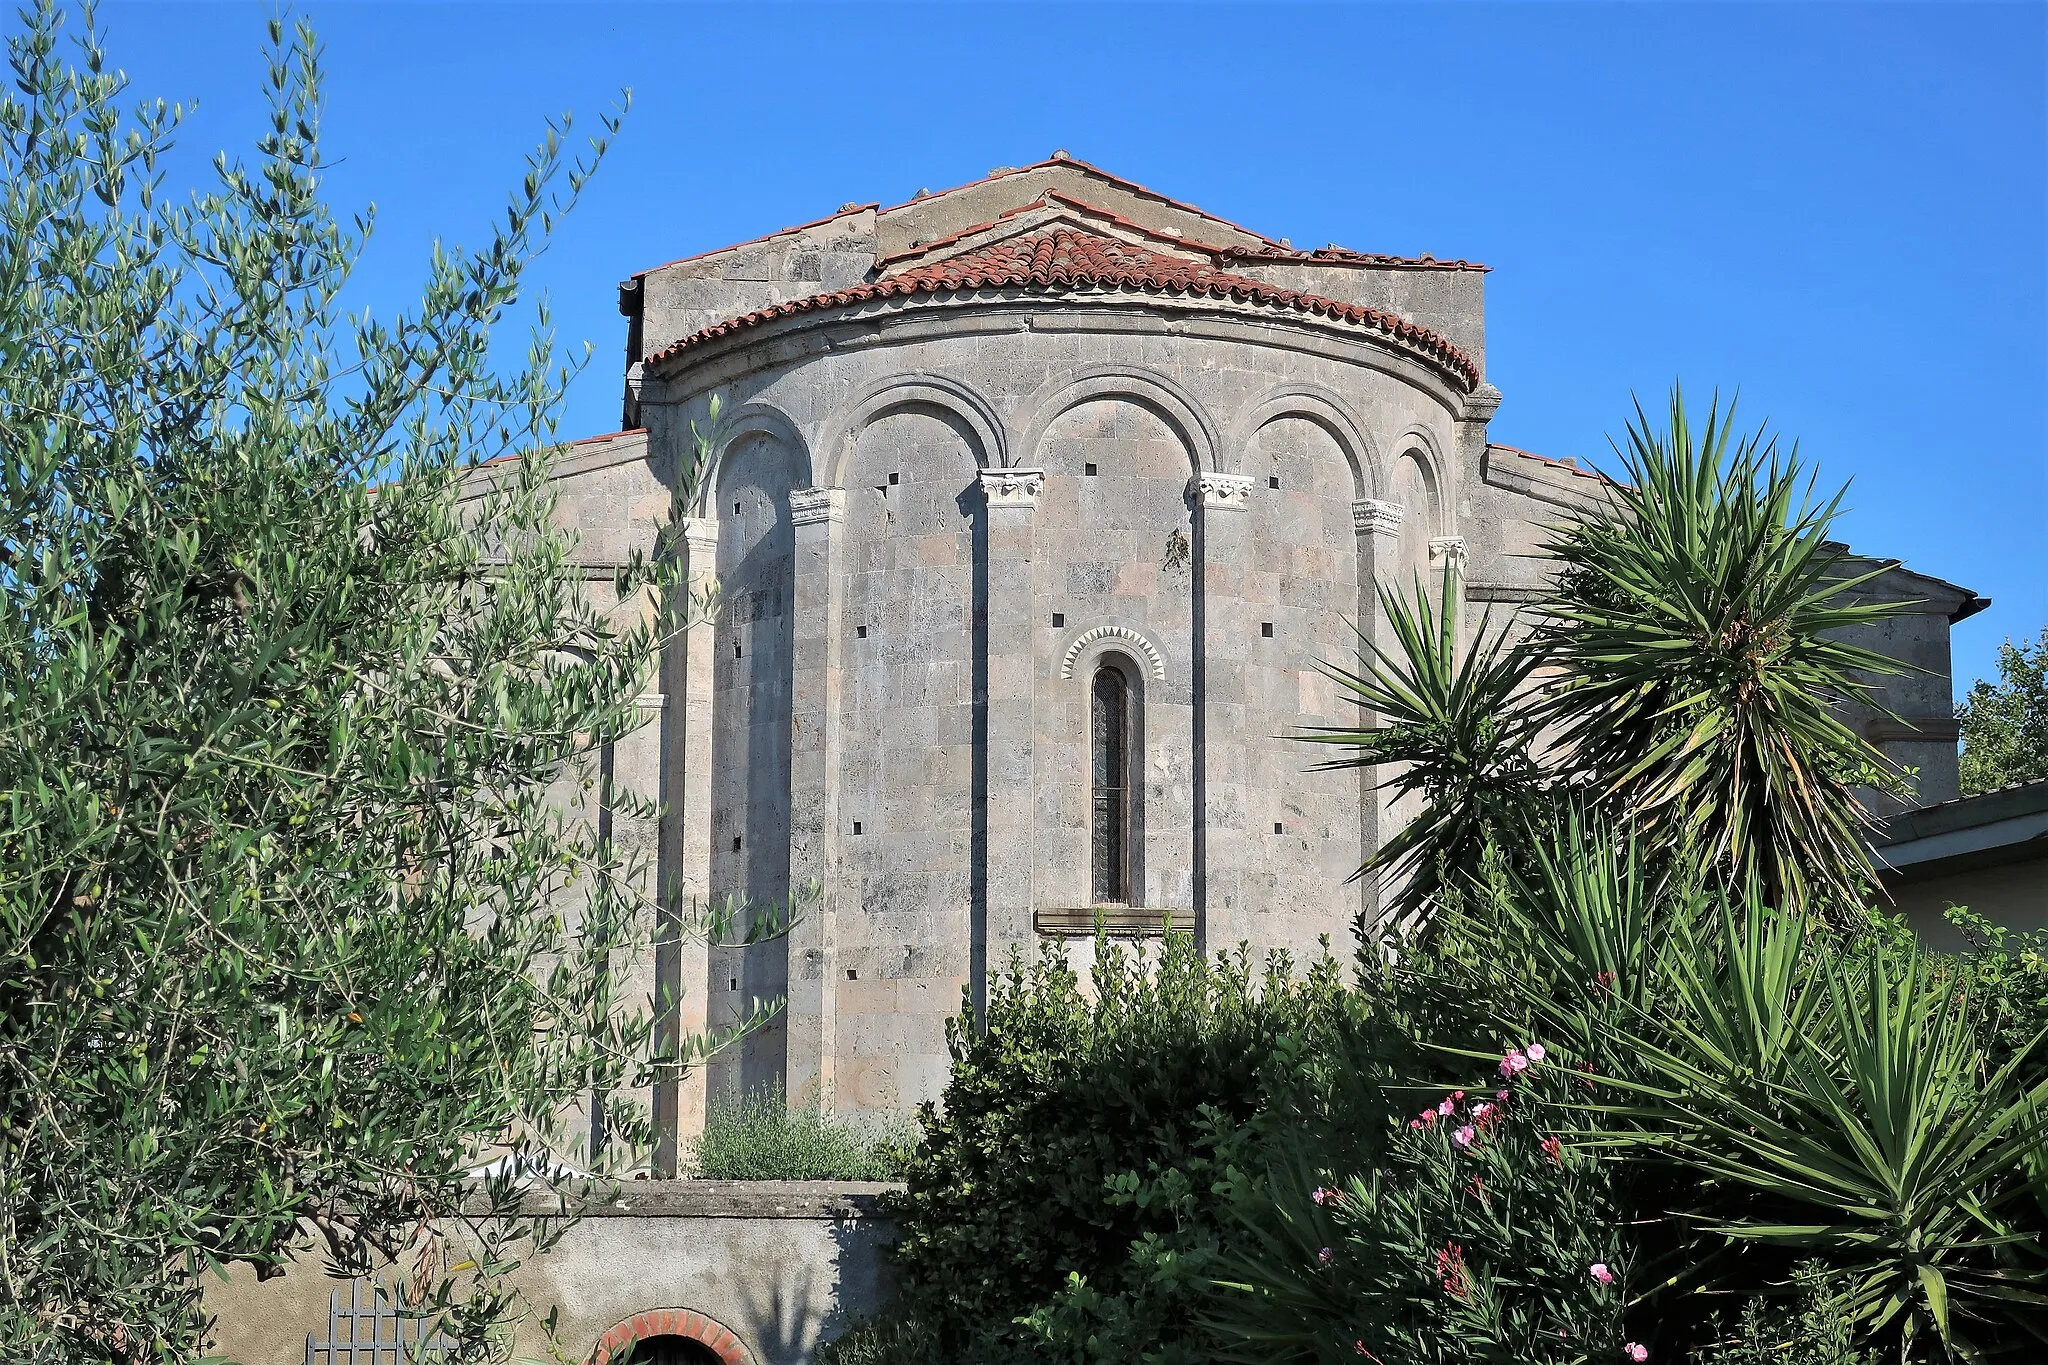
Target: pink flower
{"type": "Point", "coordinates": [1636, 1353]}
{"type": "Point", "coordinates": [1554, 1149]}
{"type": "Point", "coordinates": [1446, 1109]}
{"type": "Point", "coordinates": [1465, 1136]}
{"type": "Point", "coordinates": [1325, 1256]}
{"type": "Point", "coordinates": [1601, 1273]}
{"type": "Point", "coordinates": [1457, 1094]}
{"type": "Point", "coordinates": [1428, 1117]}
{"type": "Point", "coordinates": [1323, 1194]}
{"type": "Point", "coordinates": [1415, 1123]}
{"type": "Point", "coordinates": [1513, 1063]}
{"type": "Point", "coordinates": [1535, 1052]}
{"type": "Point", "coordinates": [1501, 1095]}
{"type": "Point", "coordinates": [1481, 1110]}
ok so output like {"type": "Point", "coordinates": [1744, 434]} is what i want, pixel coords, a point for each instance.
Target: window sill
{"type": "Point", "coordinates": [1118, 921]}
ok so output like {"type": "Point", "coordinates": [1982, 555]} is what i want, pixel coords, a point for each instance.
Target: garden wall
{"type": "Point", "coordinates": [760, 1271]}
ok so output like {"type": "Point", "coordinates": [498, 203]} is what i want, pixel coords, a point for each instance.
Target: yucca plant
{"type": "Point", "coordinates": [1455, 720]}
{"type": "Point", "coordinates": [1697, 621]}
{"type": "Point", "coordinates": [1815, 1102]}
{"type": "Point", "coordinates": [1883, 1145]}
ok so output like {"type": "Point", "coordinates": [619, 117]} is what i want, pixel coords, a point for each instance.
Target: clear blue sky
{"type": "Point", "coordinates": [1836, 208]}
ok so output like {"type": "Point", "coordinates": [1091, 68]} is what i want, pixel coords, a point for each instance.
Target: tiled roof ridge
{"type": "Point", "coordinates": [1045, 201]}
{"type": "Point", "coordinates": [1065, 258]}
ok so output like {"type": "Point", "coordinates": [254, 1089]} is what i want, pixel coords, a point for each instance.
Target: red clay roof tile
{"type": "Point", "coordinates": [1063, 259]}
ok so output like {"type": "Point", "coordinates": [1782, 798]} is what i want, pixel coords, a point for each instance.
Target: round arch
{"type": "Point", "coordinates": [1099, 640]}
{"type": "Point", "coordinates": [1417, 443]}
{"type": "Point", "coordinates": [735, 426]}
{"type": "Point", "coordinates": [1314, 403]}
{"type": "Point", "coordinates": [686, 1323]}
{"type": "Point", "coordinates": [974, 414]}
{"type": "Point", "coordinates": [1166, 399]}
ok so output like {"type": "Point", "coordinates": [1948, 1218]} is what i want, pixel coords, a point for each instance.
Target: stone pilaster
{"type": "Point", "coordinates": [1010, 793]}
{"type": "Point", "coordinates": [682, 987]}
{"type": "Point", "coordinates": [1378, 525]}
{"type": "Point", "coordinates": [1227, 629]}
{"type": "Point", "coordinates": [818, 515]}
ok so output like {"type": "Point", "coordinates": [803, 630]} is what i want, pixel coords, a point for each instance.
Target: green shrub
{"type": "Point", "coordinates": [1069, 1192]}
{"type": "Point", "coordinates": [760, 1137]}
{"type": "Point", "coordinates": [1811, 1329]}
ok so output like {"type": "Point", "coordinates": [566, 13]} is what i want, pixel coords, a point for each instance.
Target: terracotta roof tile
{"type": "Point", "coordinates": [1063, 259]}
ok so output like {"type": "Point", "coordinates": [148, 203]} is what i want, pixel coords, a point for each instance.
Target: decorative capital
{"type": "Point", "coordinates": [1451, 547]}
{"type": "Point", "coordinates": [1371, 517]}
{"type": "Point", "coordinates": [1482, 403]}
{"type": "Point", "coordinates": [1223, 490]}
{"type": "Point", "coordinates": [1012, 487]}
{"type": "Point", "coordinates": [808, 506]}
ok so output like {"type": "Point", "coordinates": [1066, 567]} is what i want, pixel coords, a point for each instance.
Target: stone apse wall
{"type": "Point", "coordinates": [930, 524]}
{"type": "Point", "coordinates": [927, 542]}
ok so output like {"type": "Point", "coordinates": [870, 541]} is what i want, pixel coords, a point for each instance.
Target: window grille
{"type": "Point", "coordinates": [372, 1329]}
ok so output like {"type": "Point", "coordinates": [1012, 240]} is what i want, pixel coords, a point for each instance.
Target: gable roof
{"type": "Point", "coordinates": [1066, 259]}
{"type": "Point", "coordinates": [1229, 238]}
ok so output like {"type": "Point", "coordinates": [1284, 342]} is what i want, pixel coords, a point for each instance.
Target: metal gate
{"type": "Point", "coordinates": [371, 1329]}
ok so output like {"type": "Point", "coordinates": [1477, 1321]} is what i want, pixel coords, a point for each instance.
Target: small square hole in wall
{"type": "Point", "coordinates": [1266, 629]}
{"type": "Point", "coordinates": [892, 480]}
{"type": "Point", "coordinates": [853, 973]}
{"type": "Point", "coordinates": [860, 632]}
{"type": "Point", "coordinates": [735, 983]}
{"type": "Point", "coordinates": [739, 653]}
{"type": "Point", "coordinates": [1277, 829]}
{"type": "Point", "coordinates": [736, 842]}
{"type": "Point", "coordinates": [1272, 481]}
{"type": "Point", "coordinates": [1089, 470]}
{"type": "Point", "coordinates": [856, 827]}
{"type": "Point", "coordinates": [735, 509]}
{"type": "Point", "coordinates": [1059, 618]}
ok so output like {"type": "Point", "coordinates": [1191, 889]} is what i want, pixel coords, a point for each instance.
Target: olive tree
{"type": "Point", "coordinates": [305, 916]}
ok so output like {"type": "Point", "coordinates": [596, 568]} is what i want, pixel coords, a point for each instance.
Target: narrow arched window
{"type": "Point", "coordinates": [1110, 832]}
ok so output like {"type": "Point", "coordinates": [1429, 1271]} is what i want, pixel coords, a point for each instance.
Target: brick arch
{"type": "Point", "coordinates": [673, 1322]}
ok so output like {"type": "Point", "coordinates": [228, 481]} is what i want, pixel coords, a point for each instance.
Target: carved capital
{"type": "Point", "coordinates": [1012, 487]}
{"type": "Point", "coordinates": [1371, 517]}
{"type": "Point", "coordinates": [809, 506]}
{"type": "Point", "coordinates": [1223, 490]}
{"type": "Point", "coordinates": [1451, 547]}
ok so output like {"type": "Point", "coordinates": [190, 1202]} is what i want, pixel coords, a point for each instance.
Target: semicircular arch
{"type": "Point", "coordinates": [735, 427]}
{"type": "Point", "coordinates": [1101, 639]}
{"type": "Point", "coordinates": [1155, 392]}
{"type": "Point", "coordinates": [958, 403]}
{"type": "Point", "coordinates": [687, 1323]}
{"type": "Point", "coordinates": [1326, 409]}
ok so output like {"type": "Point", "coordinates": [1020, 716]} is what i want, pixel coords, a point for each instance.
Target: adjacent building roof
{"type": "Point", "coordinates": [2005, 826]}
{"type": "Point", "coordinates": [1066, 260]}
